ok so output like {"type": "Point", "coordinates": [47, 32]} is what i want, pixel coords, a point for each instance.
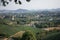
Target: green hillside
{"type": "Point", "coordinates": [10, 30]}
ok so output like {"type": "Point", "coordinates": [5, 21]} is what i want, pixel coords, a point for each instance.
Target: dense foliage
{"type": "Point", "coordinates": [28, 35]}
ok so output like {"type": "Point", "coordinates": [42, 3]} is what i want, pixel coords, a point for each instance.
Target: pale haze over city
{"type": "Point", "coordinates": [33, 4]}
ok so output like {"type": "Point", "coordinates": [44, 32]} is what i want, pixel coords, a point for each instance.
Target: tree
{"type": "Point", "coordinates": [28, 35]}
{"type": "Point", "coordinates": [5, 2]}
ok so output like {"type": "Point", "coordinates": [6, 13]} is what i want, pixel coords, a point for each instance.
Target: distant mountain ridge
{"type": "Point", "coordinates": [25, 10]}
{"type": "Point", "coordinates": [14, 11]}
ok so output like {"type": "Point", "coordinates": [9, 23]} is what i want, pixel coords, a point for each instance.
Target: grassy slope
{"type": "Point", "coordinates": [10, 30]}
{"type": "Point", "coordinates": [53, 36]}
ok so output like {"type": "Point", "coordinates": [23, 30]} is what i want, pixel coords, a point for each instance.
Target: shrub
{"type": "Point", "coordinates": [28, 35]}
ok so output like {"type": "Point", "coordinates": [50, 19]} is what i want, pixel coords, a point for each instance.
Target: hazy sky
{"type": "Point", "coordinates": [33, 4]}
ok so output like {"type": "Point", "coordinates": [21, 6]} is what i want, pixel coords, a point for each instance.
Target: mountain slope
{"type": "Point", "coordinates": [14, 11]}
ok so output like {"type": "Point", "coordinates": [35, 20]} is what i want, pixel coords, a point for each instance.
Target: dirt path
{"type": "Point", "coordinates": [51, 28]}
{"type": "Point", "coordinates": [18, 34]}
